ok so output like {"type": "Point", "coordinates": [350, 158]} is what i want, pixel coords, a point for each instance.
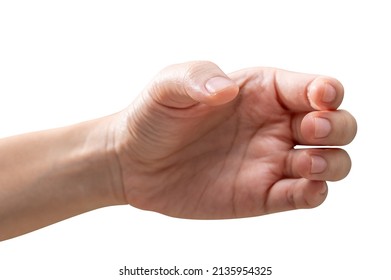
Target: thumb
{"type": "Point", "coordinates": [186, 84]}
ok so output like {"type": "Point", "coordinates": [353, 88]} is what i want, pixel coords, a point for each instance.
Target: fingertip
{"type": "Point", "coordinates": [220, 90]}
{"type": "Point", "coordinates": [309, 194]}
{"type": "Point", "coordinates": [316, 194]}
{"type": "Point", "coordinates": [217, 84]}
{"type": "Point", "coordinates": [186, 84]}
{"type": "Point", "coordinates": [292, 194]}
{"type": "Point", "coordinates": [325, 93]}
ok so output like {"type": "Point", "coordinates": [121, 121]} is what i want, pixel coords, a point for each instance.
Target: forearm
{"type": "Point", "coordinates": [52, 175]}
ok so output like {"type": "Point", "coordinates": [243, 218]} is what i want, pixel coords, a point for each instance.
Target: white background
{"type": "Point", "coordinates": [63, 62]}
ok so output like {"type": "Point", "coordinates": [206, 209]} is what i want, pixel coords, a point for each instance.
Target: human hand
{"type": "Point", "coordinates": [200, 144]}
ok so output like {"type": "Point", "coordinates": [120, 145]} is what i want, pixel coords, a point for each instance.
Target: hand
{"type": "Point", "coordinates": [200, 144]}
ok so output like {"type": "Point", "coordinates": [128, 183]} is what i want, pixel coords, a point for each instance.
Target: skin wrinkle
{"type": "Point", "coordinates": [110, 147]}
{"type": "Point", "coordinates": [288, 164]}
{"type": "Point", "coordinates": [193, 176]}
{"type": "Point", "coordinates": [234, 189]}
{"type": "Point", "coordinates": [179, 86]}
{"type": "Point", "coordinates": [280, 100]}
{"type": "Point", "coordinates": [307, 204]}
{"type": "Point", "coordinates": [185, 147]}
{"type": "Point", "coordinates": [224, 163]}
{"type": "Point", "coordinates": [234, 200]}
{"type": "Point", "coordinates": [186, 160]}
{"type": "Point", "coordinates": [243, 87]}
{"type": "Point", "coordinates": [151, 130]}
{"type": "Point", "coordinates": [198, 204]}
{"type": "Point", "coordinates": [265, 205]}
{"type": "Point", "coordinates": [252, 138]}
{"type": "Point", "coordinates": [291, 198]}
{"type": "Point", "coordinates": [294, 132]}
{"type": "Point", "coordinates": [211, 129]}
{"type": "Point", "coordinates": [307, 95]}
{"type": "Point", "coordinates": [201, 196]}
{"type": "Point", "coordinates": [194, 140]}
{"type": "Point", "coordinates": [278, 94]}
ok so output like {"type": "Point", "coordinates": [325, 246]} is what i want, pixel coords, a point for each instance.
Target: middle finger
{"type": "Point", "coordinates": [324, 128]}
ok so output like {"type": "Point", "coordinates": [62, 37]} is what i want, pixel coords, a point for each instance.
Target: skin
{"type": "Point", "coordinates": [197, 143]}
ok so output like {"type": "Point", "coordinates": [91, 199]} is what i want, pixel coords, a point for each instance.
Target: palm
{"type": "Point", "coordinates": [228, 169]}
{"type": "Point", "coordinates": [215, 162]}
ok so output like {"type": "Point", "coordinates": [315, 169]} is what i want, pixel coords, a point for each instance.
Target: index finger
{"type": "Point", "coordinates": [299, 92]}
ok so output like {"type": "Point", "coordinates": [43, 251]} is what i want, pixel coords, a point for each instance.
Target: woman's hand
{"type": "Point", "coordinates": [195, 144]}
{"type": "Point", "coordinates": [201, 144]}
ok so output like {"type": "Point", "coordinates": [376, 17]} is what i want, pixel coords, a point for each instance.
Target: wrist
{"type": "Point", "coordinates": [95, 163]}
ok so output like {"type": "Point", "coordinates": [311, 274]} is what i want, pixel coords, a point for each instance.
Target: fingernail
{"type": "Point", "coordinates": [329, 93]}
{"type": "Point", "coordinates": [322, 127]}
{"type": "Point", "coordinates": [318, 164]}
{"type": "Point", "coordinates": [217, 84]}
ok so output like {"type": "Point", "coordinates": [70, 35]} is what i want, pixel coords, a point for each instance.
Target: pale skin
{"type": "Point", "coordinates": [196, 143]}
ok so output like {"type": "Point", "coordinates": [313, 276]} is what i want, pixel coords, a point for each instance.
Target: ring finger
{"type": "Point", "coordinates": [326, 128]}
{"type": "Point", "coordinates": [318, 164]}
